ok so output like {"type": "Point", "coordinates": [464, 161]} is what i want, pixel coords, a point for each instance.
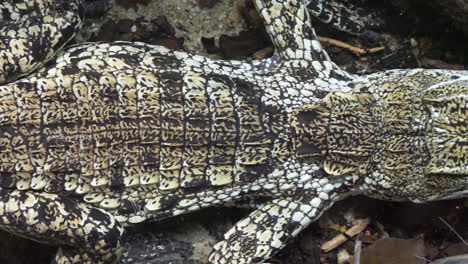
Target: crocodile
{"type": "Point", "coordinates": [101, 136]}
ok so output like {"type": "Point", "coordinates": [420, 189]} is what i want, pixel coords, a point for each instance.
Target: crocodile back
{"type": "Point", "coordinates": [341, 132]}
{"type": "Point", "coordinates": [447, 104]}
{"type": "Point", "coordinates": [124, 124]}
{"type": "Point", "coordinates": [423, 124]}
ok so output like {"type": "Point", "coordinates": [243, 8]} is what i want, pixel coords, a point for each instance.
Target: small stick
{"type": "Point", "coordinates": [340, 239]}
{"type": "Point", "coordinates": [357, 251]}
{"type": "Point", "coordinates": [430, 63]}
{"type": "Point", "coordinates": [354, 49]}
{"type": "Point", "coordinates": [263, 53]}
{"type": "Point", "coordinates": [453, 230]}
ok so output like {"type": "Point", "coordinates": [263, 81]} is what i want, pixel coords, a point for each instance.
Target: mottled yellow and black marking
{"type": "Point", "coordinates": [113, 134]}
{"type": "Point", "coordinates": [100, 123]}
{"type": "Point", "coordinates": [404, 137]}
{"type": "Point", "coordinates": [342, 132]}
{"type": "Point", "coordinates": [421, 153]}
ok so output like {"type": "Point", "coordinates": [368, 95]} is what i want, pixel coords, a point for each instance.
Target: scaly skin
{"type": "Point", "coordinates": [33, 31]}
{"type": "Point", "coordinates": [116, 134]}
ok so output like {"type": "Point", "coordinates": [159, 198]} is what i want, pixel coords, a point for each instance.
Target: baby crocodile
{"type": "Point", "coordinates": [112, 134]}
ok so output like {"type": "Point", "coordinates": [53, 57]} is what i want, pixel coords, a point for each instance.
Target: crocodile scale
{"type": "Point", "coordinates": [105, 135]}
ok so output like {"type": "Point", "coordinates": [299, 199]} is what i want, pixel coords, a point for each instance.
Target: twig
{"type": "Point", "coordinates": [423, 258]}
{"type": "Point", "coordinates": [430, 63]}
{"type": "Point", "coordinates": [453, 230]}
{"type": "Point", "coordinates": [354, 49]}
{"type": "Point", "coordinates": [263, 53]}
{"type": "Point", "coordinates": [357, 251]}
{"type": "Point", "coordinates": [340, 239]}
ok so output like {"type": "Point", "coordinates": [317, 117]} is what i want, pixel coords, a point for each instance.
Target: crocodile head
{"type": "Point", "coordinates": [402, 136]}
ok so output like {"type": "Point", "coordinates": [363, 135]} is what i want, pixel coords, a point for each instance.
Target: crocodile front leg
{"type": "Point", "coordinates": [45, 27]}
{"type": "Point", "coordinates": [86, 234]}
{"type": "Point", "coordinates": [266, 230]}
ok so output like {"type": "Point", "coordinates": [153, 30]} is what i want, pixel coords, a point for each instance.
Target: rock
{"type": "Point", "coordinates": [170, 42]}
{"type": "Point", "coordinates": [245, 44]}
